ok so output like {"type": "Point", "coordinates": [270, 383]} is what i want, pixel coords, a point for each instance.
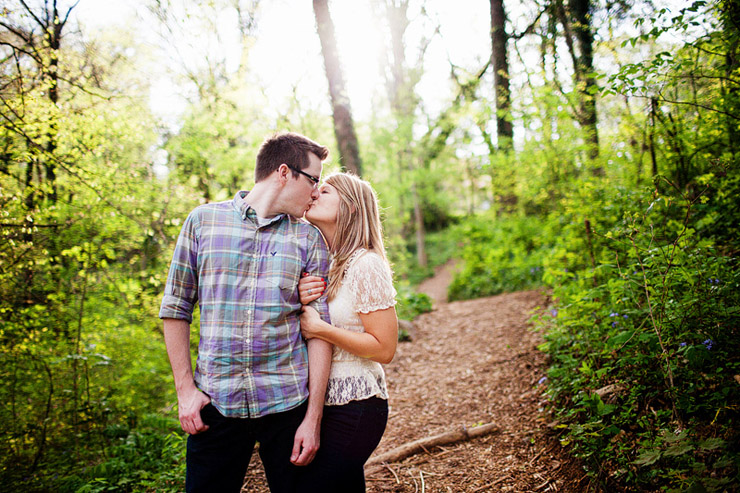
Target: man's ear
{"type": "Point", "coordinates": [283, 173]}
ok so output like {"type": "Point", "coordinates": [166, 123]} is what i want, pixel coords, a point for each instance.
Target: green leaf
{"type": "Point", "coordinates": [679, 449]}
{"type": "Point", "coordinates": [711, 444]}
{"type": "Point", "coordinates": [647, 458]}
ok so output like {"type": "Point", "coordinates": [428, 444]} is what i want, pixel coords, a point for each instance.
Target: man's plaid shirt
{"type": "Point", "coordinates": [243, 273]}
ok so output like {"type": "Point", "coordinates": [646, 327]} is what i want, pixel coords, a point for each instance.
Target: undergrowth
{"type": "Point", "coordinates": [644, 339]}
{"type": "Point", "coordinates": [147, 457]}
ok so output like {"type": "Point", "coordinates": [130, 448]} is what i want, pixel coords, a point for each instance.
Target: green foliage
{"type": "Point", "coordinates": [499, 254]}
{"type": "Point", "coordinates": [441, 246]}
{"type": "Point", "coordinates": [643, 334]}
{"type": "Point", "coordinates": [644, 337]}
{"type": "Point", "coordinates": [410, 304]}
{"type": "Point", "coordinates": [148, 457]}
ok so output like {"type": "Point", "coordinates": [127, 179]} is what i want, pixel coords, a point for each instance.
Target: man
{"type": "Point", "coordinates": [255, 380]}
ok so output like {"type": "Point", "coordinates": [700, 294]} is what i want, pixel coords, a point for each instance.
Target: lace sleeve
{"type": "Point", "coordinates": [371, 282]}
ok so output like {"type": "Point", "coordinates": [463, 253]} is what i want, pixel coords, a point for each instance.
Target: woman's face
{"type": "Point", "coordinates": [325, 209]}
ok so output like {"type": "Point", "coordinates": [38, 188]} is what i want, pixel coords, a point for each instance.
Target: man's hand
{"type": "Point", "coordinates": [306, 442]}
{"type": "Point", "coordinates": [189, 404]}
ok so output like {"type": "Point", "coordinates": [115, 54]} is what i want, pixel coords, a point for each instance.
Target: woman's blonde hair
{"type": "Point", "coordinates": [358, 224]}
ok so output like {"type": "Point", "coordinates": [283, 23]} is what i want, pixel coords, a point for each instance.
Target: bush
{"type": "Point", "coordinates": [411, 304]}
{"type": "Point", "coordinates": [643, 339]}
{"type": "Point", "coordinates": [150, 457]}
{"type": "Point", "coordinates": [499, 254]}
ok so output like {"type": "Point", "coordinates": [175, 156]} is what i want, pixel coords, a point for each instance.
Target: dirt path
{"type": "Point", "coordinates": [471, 362]}
{"type": "Point", "coordinates": [436, 286]}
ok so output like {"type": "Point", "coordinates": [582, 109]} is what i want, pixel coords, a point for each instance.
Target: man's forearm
{"type": "Point", "coordinates": [177, 340]}
{"type": "Point", "coordinates": [319, 364]}
{"type": "Point", "coordinates": [190, 400]}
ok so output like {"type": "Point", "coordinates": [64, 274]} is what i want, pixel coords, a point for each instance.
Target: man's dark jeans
{"type": "Point", "coordinates": [217, 459]}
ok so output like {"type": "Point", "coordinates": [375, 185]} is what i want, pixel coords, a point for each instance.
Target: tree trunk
{"type": "Point", "coordinates": [421, 251]}
{"type": "Point", "coordinates": [580, 13]}
{"type": "Point", "coordinates": [53, 36]}
{"type": "Point", "coordinates": [579, 39]}
{"type": "Point", "coordinates": [651, 134]}
{"type": "Point", "coordinates": [731, 93]}
{"type": "Point", "coordinates": [403, 105]}
{"type": "Point", "coordinates": [344, 128]}
{"type": "Point", "coordinates": [500, 63]}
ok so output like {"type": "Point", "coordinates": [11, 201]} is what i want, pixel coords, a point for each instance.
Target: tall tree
{"type": "Point", "coordinates": [730, 22]}
{"type": "Point", "coordinates": [344, 128]}
{"type": "Point", "coordinates": [500, 62]}
{"type": "Point", "coordinates": [579, 37]}
{"type": "Point", "coordinates": [36, 33]}
{"type": "Point", "coordinates": [403, 102]}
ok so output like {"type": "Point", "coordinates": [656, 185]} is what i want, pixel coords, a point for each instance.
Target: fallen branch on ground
{"type": "Point", "coordinates": [408, 449]}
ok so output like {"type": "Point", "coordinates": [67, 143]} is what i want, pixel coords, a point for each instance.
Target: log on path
{"type": "Point", "coordinates": [423, 444]}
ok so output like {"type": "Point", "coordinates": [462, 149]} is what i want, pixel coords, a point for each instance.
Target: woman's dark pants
{"type": "Point", "coordinates": [349, 434]}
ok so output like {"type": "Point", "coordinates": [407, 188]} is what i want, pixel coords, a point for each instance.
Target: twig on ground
{"type": "Point", "coordinates": [489, 485]}
{"type": "Point", "coordinates": [536, 457]}
{"type": "Point", "coordinates": [398, 481]}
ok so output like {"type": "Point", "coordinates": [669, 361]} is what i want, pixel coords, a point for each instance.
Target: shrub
{"type": "Point", "coordinates": [643, 339]}
{"type": "Point", "coordinates": [499, 254]}
{"type": "Point", "coordinates": [150, 457]}
{"type": "Point", "coordinates": [411, 304]}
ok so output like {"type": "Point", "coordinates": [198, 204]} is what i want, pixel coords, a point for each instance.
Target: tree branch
{"type": "Point", "coordinates": [30, 12]}
{"type": "Point", "coordinates": [411, 448]}
{"type": "Point", "coordinates": [530, 28]}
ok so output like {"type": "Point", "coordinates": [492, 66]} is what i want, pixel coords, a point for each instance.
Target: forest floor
{"type": "Point", "coordinates": [469, 363]}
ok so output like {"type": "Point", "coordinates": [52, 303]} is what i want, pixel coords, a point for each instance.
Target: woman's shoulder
{"type": "Point", "coordinates": [363, 259]}
{"type": "Point", "coordinates": [367, 263]}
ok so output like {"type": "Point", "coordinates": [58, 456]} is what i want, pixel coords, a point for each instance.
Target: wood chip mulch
{"type": "Point", "coordinates": [470, 362]}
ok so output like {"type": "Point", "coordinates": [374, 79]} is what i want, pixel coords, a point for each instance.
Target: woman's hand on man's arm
{"type": "Point", "coordinates": [310, 288]}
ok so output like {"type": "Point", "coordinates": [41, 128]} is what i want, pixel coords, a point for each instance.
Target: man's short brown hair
{"type": "Point", "coordinates": [289, 148]}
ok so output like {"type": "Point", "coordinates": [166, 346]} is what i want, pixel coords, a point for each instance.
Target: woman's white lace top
{"type": "Point", "coordinates": [367, 287]}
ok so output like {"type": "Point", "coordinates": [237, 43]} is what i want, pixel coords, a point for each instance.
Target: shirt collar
{"type": "Point", "coordinates": [246, 211]}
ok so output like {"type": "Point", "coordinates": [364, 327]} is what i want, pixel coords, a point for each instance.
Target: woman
{"type": "Point", "coordinates": [364, 331]}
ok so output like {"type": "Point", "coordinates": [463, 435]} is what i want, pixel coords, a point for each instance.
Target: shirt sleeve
{"type": "Point", "coordinates": [181, 290]}
{"type": "Point", "coordinates": [318, 265]}
{"type": "Point", "coordinates": [371, 283]}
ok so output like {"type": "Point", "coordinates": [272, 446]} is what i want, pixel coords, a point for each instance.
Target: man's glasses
{"type": "Point", "coordinates": [313, 179]}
